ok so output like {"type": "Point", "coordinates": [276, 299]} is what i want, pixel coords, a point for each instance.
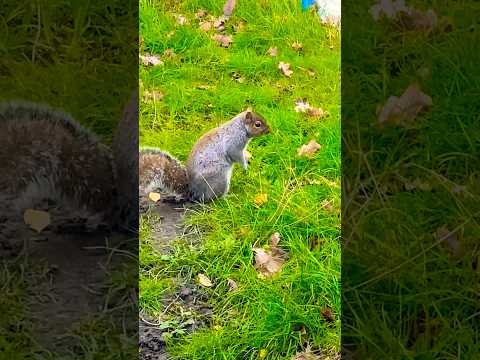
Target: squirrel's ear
{"type": "Point", "coordinates": [248, 113]}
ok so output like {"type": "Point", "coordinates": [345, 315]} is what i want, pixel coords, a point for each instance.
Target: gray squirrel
{"type": "Point", "coordinates": [49, 162]}
{"type": "Point", "coordinates": [208, 169]}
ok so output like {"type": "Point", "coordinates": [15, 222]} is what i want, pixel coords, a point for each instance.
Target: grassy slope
{"type": "Point", "coordinates": [263, 314]}
{"type": "Point", "coordinates": [420, 301]}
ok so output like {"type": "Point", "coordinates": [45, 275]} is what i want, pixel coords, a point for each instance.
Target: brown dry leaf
{"type": "Point", "coordinates": [204, 280]}
{"type": "Point", "coordinates": [328, 314]}
{"type": "Point", "coordinates": [406, 17]}
{"type": "Point", "coordinates": [309, 149]}
{"type": "Point", "coordinates": [285, 68]}
{"type": "Point", "coordinates": [38, 220]}
{"type": "Point", "coordinates": [223, 40]}
{"type": "Point", "coordinates": [149, 59]}
{"type": "Point", "coordinates": [270, 262]}
{"type": "Point", "coordinates": [181, 20]}
{"type": "Point", "coordinates": [260, 199]}
{"type": "Point", "coordinates": [327, 205]}
{"type": "Point", "coordinates": [232, 285]}
{"type": "Point", "coordinates": [310, 72]}
{"type": "Point", "coordinates": [153, 95]}
{"type": "Point", "coordinates": [228, 8]}
{"type": "Point", "coordinates": [303, 106]}
{"type": "Point", "coordinates": [201, 13]}
{"type": "Point", "coordinates": [404, 110]}
{"type": "Point", "coordinates": [418, 184]}
{"type": "Point", "coordinates": [451, 240]}
{"type": "Point", "coordinates": [297, 46]}
{"type": "Point", "coordinates": [273, 51]}
{"type": "Point", "coordinates": [219, 23]}
{"type": "Point", "coordinates": [275, 239]}
{"type": "Point", "coordinates": [459, 189]}
{"type": "Point", "coordinates": [206, 26]}
{"type": "Point", "coordinates": [170, 34]}
{"type": "Point", "coordinates": [154, 196]}
{"type": "Point", "coordinates": [169, 53]}
{"type": "Point", "coordinates": [266, 264]}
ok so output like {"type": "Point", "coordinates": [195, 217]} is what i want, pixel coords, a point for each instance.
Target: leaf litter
{"type": "Point", "coordinates": [403, 110]}
{"type": "Point", "coordinates": [270, 262]}
{"type": "Point", "coordinates": [309, 150]}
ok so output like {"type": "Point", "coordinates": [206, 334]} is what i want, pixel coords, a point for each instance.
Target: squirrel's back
{"type": "Point", "coordinates": [46, 155]}
{"type": "Point", "coordinates": [159, 171]}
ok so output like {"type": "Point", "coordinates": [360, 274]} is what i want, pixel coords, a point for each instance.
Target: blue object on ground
{"type": "Point", "coordinates": [307, 3]}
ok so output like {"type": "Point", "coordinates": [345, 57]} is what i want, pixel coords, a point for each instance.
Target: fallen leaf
{"type": "Point", "coordinates": [152, 95]}
{"type": "Point", "coordinates": [328, 314]}
{"type": "Point", "coordinates": [38, 220]}
{"type": "Point", "coordinates": [458, 189]}
{"type": "Point", "coordinates": [260, 199]}
{"type": "Point", "coordinates": [285, 68]}
{"type": "Point", "coordinates": [270, 262]}
{"type": "Point", "coordinates": [228, 8]}
{"type": "Point", "coordinates": [450, 240]}
{"type": "Point", "coordinates": [170, 34]}
{"type": "Point", "coordinates": [169, 53]}
{"type": "Point", "coordinates": [297, 46]}
{"type": "Point", "coordinates": [204, 280]}
{"type": "Point", "coordinates": [306, 355]}
{"type": "Point", "coordinates": [327, 205]}
{"type": "Point", "coordinates": [309, 149]}
{"type": "Point", "coordinates": [262, 354]}
{"type": "Point", "coordinates": [310, 72]}
{"type": "Point", "coordinates": [303, 106]}
{"type": "Point", "coordinates": [266, 264]}
{"type": "Point", "coordinates": [232, 285]}
{"type": "Point", "coordinates": [200, 14]}
{"type": "Point", "coordinates": [403, 110]}
{"type": "Point", "coordinates": [203, 87]}
{"type": "Point", "coordinates": [206, 26]}
{"type": "Point", "coordinates": [275, 239]}
{"type": "Point", "coordinates": [238, 77]}
{"type": "Point", "coordinates": [273, 51]}
{"type": "Point", "coordinates": [181, 20]}
{"type": "Point", "coordinates": [219, 23]}
{"type": "Point", "coordinates": [418, 184]}
{"type": "Point", "coordinates": [154, 196]}
{"type": "Point", "coordinates": [149, 59]}
{"type": "Point", "coordinates": [223, 40]}
{"type": "Point", "coordinates": [405, 17]}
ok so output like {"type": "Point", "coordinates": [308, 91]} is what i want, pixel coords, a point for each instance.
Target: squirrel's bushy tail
{"type": "Point", "coordinates": [161, 172]}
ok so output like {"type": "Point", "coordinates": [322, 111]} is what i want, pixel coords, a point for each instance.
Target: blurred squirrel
{"type": "Point", "coordinates": [208, 170]}
{"type": "Point", "coordinates": [48, 161]}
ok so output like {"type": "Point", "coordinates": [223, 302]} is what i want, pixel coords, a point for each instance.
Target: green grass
{"type": "Point", "coordinates": [405, 295]}
{"type": "Point", "coordinates": [262, 314]}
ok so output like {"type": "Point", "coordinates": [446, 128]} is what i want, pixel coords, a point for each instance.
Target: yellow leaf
{"type": "Point", "coordinates": [204, 280]}
{"type": "Point", "coordinates": [154, 196]}
{"type": "Point", "coordinates": [262, 354]}
{"type": "Point", "coordinates": [260, 199]}
{"type": "Point", "coordinates": [36, 219]}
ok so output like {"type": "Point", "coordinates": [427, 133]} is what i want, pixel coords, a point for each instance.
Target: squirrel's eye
{"type": "Point", "coordinates": [257, 124]}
